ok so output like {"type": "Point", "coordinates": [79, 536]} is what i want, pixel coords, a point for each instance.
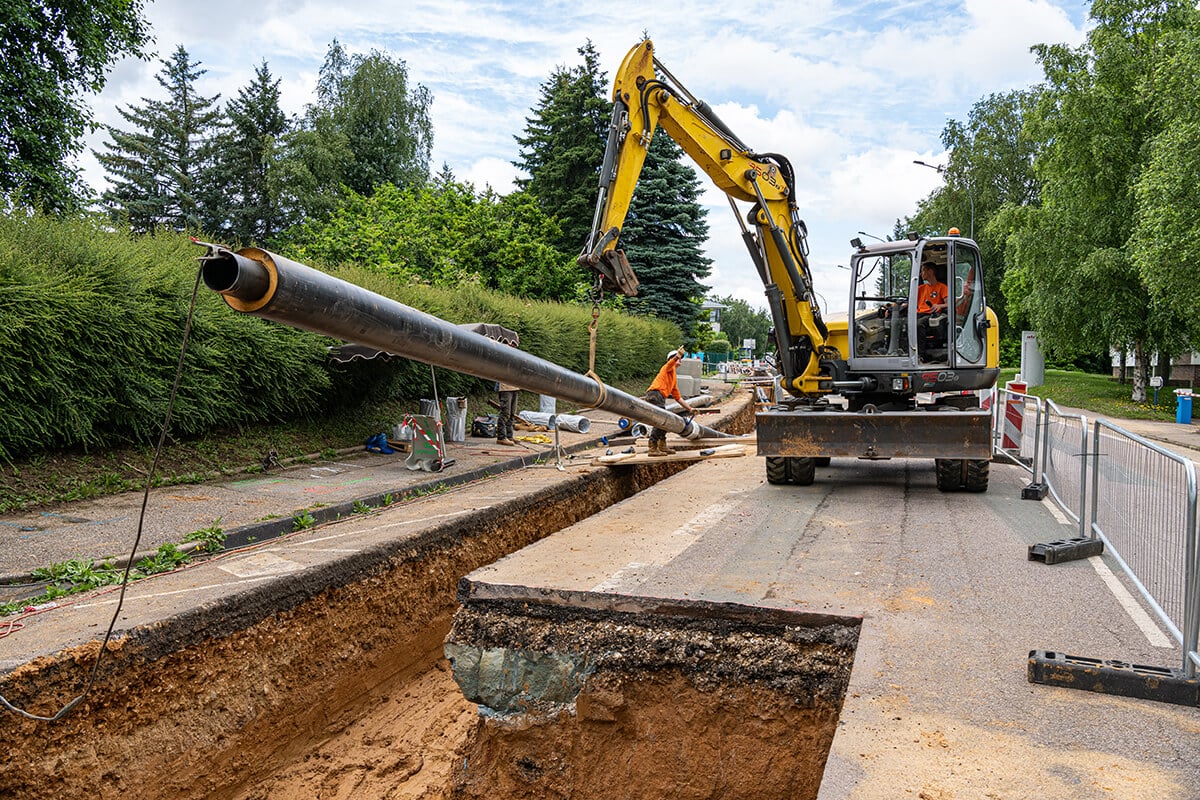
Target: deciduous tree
{"type": "Point", "coordinates": [53, 54]}
{"type": "Point", "coordinates": [1072, 270]}
{"type": "Point", "coordinates": [368, 127]}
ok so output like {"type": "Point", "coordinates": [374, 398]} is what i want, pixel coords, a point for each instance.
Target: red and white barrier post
{"type": "Point", "coordinates": [1014, 415]}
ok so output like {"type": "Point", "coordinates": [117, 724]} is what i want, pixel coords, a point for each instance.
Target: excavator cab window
{"type": "Point", "coordinates": [966, 306]}
{"type": "Point", "coordinates": [881, 291]}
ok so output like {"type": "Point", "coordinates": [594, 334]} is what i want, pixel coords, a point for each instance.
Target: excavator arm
{"type": "Point", "coordinates": [646, 97]}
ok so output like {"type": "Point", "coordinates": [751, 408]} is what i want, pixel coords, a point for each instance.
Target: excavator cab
{"type": "Point", "coordinates": [918, 321]}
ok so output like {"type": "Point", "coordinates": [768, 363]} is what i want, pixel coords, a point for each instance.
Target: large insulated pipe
{"type": "Point", "coordinates": [266, 285]}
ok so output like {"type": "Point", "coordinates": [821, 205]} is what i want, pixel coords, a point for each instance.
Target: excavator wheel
{"type": "Point", "coordinates": [801, 470]}
{"type": "Point", "coordinates": [949, 474]}
{"type": "Point", "coordinates": [968, 474]}
{"type": "Point", "coordinates": [777, 471]}
{"type": "Point", "coordinates": [976, 475]}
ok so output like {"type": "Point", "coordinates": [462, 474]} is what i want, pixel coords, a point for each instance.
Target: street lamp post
{"type": "Point", "coordinates": [941, 170]}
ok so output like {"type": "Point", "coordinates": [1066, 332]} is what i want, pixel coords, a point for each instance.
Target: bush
{"type": "Point", "coordinates": [92, 320]}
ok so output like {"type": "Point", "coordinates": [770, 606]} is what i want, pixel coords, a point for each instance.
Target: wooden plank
{"type": "Point", "coordinates": [704, 444]}
{"type": "Point", "coordinates": [626, 459]}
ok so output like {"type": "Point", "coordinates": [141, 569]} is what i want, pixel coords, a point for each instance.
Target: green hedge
{"type": "Point", "coordinates": [91, 322]}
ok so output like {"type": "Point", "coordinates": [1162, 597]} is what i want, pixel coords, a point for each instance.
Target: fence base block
{"type": "Point", "coordinates": [1113, 677]}
{"type": "Point", "coordinates": [1035, 491]}
{"type": "Point", "coordinates": [1065, 550]}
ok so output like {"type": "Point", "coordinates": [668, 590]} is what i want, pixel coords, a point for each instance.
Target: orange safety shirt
{"type": "Point", "coordinates": [928, 295]}
{"type": "Point", "coordinates": [665, 381]}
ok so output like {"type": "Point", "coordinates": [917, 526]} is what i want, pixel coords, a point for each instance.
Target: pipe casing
{"type": "Point", "coordinates": [267, 285]}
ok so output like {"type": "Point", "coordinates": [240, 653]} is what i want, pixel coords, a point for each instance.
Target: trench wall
{"type": "Point", "coordinates": [201, 703]}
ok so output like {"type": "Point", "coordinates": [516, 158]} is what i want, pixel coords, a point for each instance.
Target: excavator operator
{"type": "Point", "coordinates": [932, 293]}
{"type": "Point", "coordinates": [932, 298]}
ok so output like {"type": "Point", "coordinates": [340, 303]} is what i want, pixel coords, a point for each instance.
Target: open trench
{"type": "Point", "coordinates": [346, 692]}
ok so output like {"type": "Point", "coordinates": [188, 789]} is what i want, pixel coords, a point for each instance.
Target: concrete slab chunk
{"type": "Point", "coordinates": [581, 691]}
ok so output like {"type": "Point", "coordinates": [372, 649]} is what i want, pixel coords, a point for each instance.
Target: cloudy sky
{"type": "Point", "coordinates": [851, 91]}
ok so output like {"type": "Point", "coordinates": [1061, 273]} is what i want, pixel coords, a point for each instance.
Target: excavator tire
{"type": "Point", "coordinates": [976, 475]}
{"type": "Point", "coordinates": [965, 474]}
{"type": "Point", "coordinates": [802, 470]}
{"type": "Point", "coordinates": [777, 471]}
{"type": "Point", "coordinates": [949, 474]}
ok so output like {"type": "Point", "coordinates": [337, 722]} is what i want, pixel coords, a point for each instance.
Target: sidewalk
{"type": "Point", "coordinates": [253, 507]}
{"type": "Point", "coordinates": [1181, 439]}
{"type": "Point", "coordinates": [260, 506]}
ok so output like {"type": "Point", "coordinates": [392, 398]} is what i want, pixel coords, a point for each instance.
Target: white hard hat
{"type": "Point", "coordinates": [672, 353]}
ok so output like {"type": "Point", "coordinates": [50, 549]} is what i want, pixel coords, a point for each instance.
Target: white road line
{"type": "Point", "coordinates": [680, 539]}
{"type": "Point", "coordinates": [177, 591]}
{"type": "Point", "coordinates": [613, 581]}
{"type": "Point", "coordinates": [1132, 607]}
{"type": "Point", "coordinates": [1057, 512]}
{"type": "Point", "coordinates": [375, 528]}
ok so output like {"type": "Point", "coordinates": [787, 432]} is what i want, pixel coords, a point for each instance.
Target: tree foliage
{"type": "Point", "coordinates": [989, 166]}
{"type": "Point", "coordinates": [664, 234]}
{"type": "Point", "coordinates": [563, 145]}
{"type": "Point", "coordinates": [1165, 245]}
{"type": "Point", "coordinates": [156, 169]}
{"type": "Point", "coordinates": [739, 321]}
{"type": "Point", "coordinates": [367, 127]}
{"type": "Point", "coordinates": [444, 235]}
{"type": "Point", "coordinates": [1073, 273]}
{"type": "Point", "coordinates": [53, 54]}
{"type": "Point", "coordinates": [243, 198]}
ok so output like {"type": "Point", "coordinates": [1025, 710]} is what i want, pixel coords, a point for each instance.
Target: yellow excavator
{"type": "Point", "coordinates": [891, 378]}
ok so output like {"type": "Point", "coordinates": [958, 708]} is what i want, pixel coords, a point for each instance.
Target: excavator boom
{"type": "Point", "coordinates": [647, 97]}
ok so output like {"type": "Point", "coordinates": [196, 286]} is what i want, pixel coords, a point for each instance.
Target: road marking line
{"type": "Point", "coordinates": [680, 539]}
{"type": "Point", "coordinates": [258, 579]}
{"type": "Point", "coordinates": [374, 528]}
{"type": "Point", "coordinates": [1056, 512]}
{"type": "Point", "coordinates": [1132, 607]}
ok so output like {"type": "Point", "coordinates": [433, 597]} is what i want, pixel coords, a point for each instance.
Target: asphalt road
{"type": "Point", "coordinates": [939, 706]}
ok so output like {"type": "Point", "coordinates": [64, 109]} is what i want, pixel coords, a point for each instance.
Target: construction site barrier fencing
{"type": "Point", "coordinates": [1137, 497]}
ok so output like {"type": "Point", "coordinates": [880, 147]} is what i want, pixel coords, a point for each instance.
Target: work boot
{"type": "Point", "coordinates": [658, 449]}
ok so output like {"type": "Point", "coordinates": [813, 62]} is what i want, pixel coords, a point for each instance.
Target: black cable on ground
{"type": "Point", "coordinates": [162, 438]}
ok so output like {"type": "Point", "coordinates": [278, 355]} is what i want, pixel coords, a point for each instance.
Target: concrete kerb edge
{"type": "Point", "coordinates": [257, 532]}
{"type": "Point", "coordinates": [275, 528]}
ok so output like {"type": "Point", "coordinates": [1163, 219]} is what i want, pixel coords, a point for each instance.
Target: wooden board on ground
{"type": "Point", "coordinates": [627, 459]}
{"type": "Point", "coordinates": [703, 444]}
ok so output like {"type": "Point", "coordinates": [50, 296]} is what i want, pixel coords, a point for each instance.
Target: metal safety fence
{"type": "Point", "coordinates": [1063, 461]}
{"type": "Point", "coordinates": [1144, 510]}
{"type": "Point", "coordinates": [1140, 499]}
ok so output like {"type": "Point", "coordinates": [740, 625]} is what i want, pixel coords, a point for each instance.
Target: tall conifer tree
{"type": "Point", "coordinates": [155, 168]}
{"type": "Point", "coordinates": [563, 145]}
{"type": "Point", "coordinates": [664, 235]}
{"type": "Point", "coordinates": [243, 200]}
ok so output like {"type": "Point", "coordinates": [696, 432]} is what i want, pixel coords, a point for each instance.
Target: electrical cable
{"type": "Point", "coordinates": [187, 329]}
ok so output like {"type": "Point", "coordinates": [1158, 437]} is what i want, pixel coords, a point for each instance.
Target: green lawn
{"type": "Point", "coordinates": [1100, 394]}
